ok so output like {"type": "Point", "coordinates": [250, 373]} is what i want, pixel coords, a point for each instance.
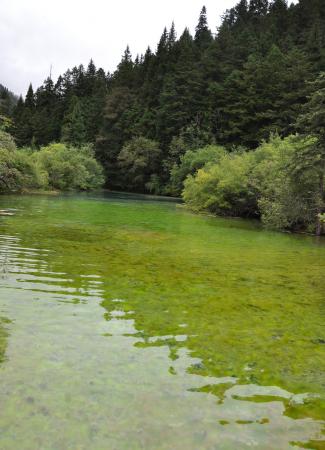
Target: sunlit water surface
{"type": "Point", "coordinates": [129, 323]}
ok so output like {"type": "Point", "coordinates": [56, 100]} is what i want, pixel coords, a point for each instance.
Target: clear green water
{"type": "Point", "coordinates": [133, 324]}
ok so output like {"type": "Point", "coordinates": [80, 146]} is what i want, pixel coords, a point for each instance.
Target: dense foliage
{"type": "Point", "coordinates": [56, 166]}
{"type": "Point", "coordinates": [235, 87]}
{"type": "Point", "coordinates": [17, 171]}
{"type": "Point", "coordinates": [221, 93]}
{"type": "Point", "coordinates": [262, 183]}
{"type": "Point", "coordinates": [190, 163]}
{"type": "Point", "coordinates": [139, 163]}
{"type": "Point", "coordinates": [8, 101]}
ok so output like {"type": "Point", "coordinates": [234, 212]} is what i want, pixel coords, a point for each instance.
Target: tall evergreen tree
{"type": "Point", "coordinates": [264, 97]}
{"type": "Point", "coordinates": [8, 101]}
{"type": "Point", "coordinates": [24, 117]}
{"type": "Point", "coordinates": [312, 123]}
{"type": "Point", "coordinates": [46, 128]}
{"type": "Point", "coordinates": [203, 35]}
{"type": "Point", "coordinates": [172, 36]}
{"type": "Point", "coordinates": [74, 128]}
{"type": "Point", "coordinates": [124, 74]}
{"type": "Point", "coordinates": [180, 96]}
{"type": "Point", "coordinates": [258, 7]}
{"type": "Point", "coordinates": [30, 99]}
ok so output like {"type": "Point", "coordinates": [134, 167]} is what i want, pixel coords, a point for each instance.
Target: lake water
{"type": "Point", "coordinates": [130, 323]}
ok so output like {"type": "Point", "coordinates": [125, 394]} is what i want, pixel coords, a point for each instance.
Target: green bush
{"type": "Point", "coordinates": [260, 183]}
{"type": "Point", "coordinates": [69, 168]}
{"type": "Point", "coordinates": [56, 166]}
{"type": "Point", "coordinates": [225, 188]}
{"type": "Point", "coordinates": [287, 201]}
{"type": "Point", "coordinates": [17, 171]}
{"type": "Point", "coordinates": [6, 141]}
{"type": "Point", "coordinates": [190, 163]}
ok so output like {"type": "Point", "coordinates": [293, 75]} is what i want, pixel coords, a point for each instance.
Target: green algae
{"type": "Point", "coordinates": [3, 337]}
{"type": "Point", "coordinates": [136, 324]}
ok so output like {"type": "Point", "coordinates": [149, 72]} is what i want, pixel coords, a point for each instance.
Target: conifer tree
{"type": "Point", "coordinates": [24, 116]}
{"type": "Point", "coordinates": [258, 7]}
{"type": "Point", "coordinates": [30, 99]}
{"type": "Point", "coordinates": [73, 128]}
{"type": "Point", "coordinates": [91, 69]}
{"type": "Point", "coordinates": [8, 101]}
{"type": "Point", "coordinates": [46, 127]}
{"type": "Point", "coordinates": [203, 35]}
{"type": "Point", "coordinates": [180, 96]}
{"type": "Point", "coordinates": [124, 73]}
{"type": "Point", "coordinates": [172, 36]}
{"type": "Point", "coordinates": [312, 123]}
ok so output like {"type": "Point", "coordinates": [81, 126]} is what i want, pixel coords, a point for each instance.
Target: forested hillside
{"type": "Point", "coordinates": [8, 101]}
{"type": "Point", "coordinates": [235, 87]}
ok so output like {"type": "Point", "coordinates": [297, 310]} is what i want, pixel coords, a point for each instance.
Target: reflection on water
{"type": "Point", "coordinates": [134, 332]}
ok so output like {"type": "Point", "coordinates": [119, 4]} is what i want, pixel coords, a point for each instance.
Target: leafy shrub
{"type": "Point", "coordinates": [260, 183]}
{"type": "Point", "coordinates": [6, 141]}
{"type": "Point", "coordinates": [17, 171]}
{"type": "Point", "coordinates": [56, 166]}
{"type": "Point", "coordinates": [69, 168]}
{"type": "Point", "coordinates": [190, 163]}
{"type": "Point", "coordinates": [286, 201]}
{"type": "Point", "coordinates": [224, 188]}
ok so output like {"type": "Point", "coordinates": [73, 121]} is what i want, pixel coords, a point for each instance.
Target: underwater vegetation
{"type": "Point", "coordinates": [136, 324]}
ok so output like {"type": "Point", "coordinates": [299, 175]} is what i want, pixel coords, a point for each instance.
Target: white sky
{"type": "Point", "coordinates": [35, 34]}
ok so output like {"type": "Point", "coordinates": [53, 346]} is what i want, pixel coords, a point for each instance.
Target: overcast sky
{"type": "Point", "coordinates": [37, 33]}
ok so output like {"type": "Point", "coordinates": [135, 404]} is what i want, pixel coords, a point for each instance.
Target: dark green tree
{"type": "Point", "coordinates": [46, 127]}
{"type": "Point", "coordinates": [24, 116]}
{"type": "Point", "coordinates": [181, 96]}
{"type": "Point", "coordinates": [8, 101]}
{"type": "Point", "coordinates": [115, 130]}
{"type": "Point", "coordinates": [263, 98]}
{"type": "Point", "coordinates": [74, 128]}
{"type": "Point", "coordinates": [312, 123]}
{"type": "Point", "coordinates": [139, 163]}
{"type": "Point", "coordinates": [203, 35]}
